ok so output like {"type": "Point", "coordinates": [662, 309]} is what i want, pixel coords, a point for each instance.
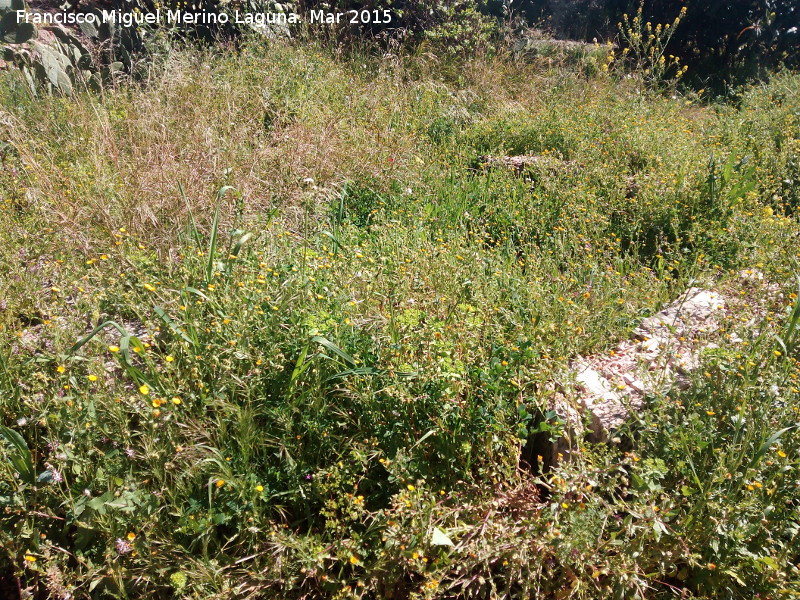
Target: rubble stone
{"type": "Point", "coordinates": [664, 350]}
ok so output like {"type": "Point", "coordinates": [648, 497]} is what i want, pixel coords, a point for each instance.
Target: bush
{"type": "Point", "coordinates": [459, 26]}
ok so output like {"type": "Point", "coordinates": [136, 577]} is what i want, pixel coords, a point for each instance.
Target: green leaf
{"type": "Point", "coordinates": [77, 346]}
{"type": "Point", "coordinates": [425, 437]}
{"type": "Point", "coordinates": [335, 349]}
{"type": "Point", "coordinates": [19, 457]}
{"type": "Point", "coordinates": [440, 538]}
{"type": "Point", "coordinates": [734, 575]}
{"type": "Point", "coordinates": [241, 242]}
{"type": "Point", "coordinates": [8, 5]}
{"type": "Point", "coordinates": [334, 239]}
{"type": "Point", "coordinates": [768, 444]}
{"type": "Point", "coordinates": [89, 29]}
{"type": "Point", "coordinates": [212, 245]}
{"type": "Point", "coordinates": [171, 324]}
{"type": "Point", "coordinates": [12, 32]}
{"type": "Point", "coordinates": [196, 292]}
{"type": "Point", "coordinates": [300, 366]}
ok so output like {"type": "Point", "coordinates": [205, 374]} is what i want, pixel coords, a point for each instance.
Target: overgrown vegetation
{"type": "Point", "coordinates": [723, 43]}
{"type": "Point", "coordinates": [270, 330]}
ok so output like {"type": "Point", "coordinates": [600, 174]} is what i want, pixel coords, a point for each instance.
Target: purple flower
{"type": "Point", "coordinates": [123, 547]}
{"type": "Point", "coordinates": [55, 474]}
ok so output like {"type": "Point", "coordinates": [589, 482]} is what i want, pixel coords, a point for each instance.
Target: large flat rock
{"type": "Point", "coordinates": [663, 350]}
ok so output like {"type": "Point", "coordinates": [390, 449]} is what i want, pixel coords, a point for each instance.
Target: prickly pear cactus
{"type": "Point", "coordinates": [51, 58]}
{"type": "Point", "coordinates": [12, 32]}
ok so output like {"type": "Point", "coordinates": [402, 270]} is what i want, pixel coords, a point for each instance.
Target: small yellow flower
{"type": "Point", "coordinates": [149, 287]}
{"type": "Point", "coordinates": [60, 368]}
{"type": "Point", "coordinates": [176, 401]}
{"type": "Point", "coordinates": [710, 413]}
{"type": "Point", "coordinates": [114, 349]}
{"type": "Point", "coordinates": [144, 390]}
{"type": "Point", "coordinates": [353, 560]}
{"type": "Point", "coordinates": [30, 559]}
{"type": "Point", "coordinates": [92, 377]}
{"type": "Point", "coordinates": [776, 352]}
{"type": "Point", "coordinates": [781, 453]}
{"type": "Point", "coordinates": [169, 358]}
{"type": "Point", "coordinates": [259, 488]}
{"type": "Point", "coordinates": [410, 487]}
{"type": "Point", "coordinates": [219, 483]}
{"type": "Point", "coordinates": [131, 536]}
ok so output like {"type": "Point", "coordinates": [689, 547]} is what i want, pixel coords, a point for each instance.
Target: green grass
{"type": "Point", "coordinates": [332, 335]}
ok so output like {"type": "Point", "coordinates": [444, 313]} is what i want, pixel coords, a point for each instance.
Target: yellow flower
{"type": "Point", "coordinates": [113, 348]}
{"type": "Point", "coordinates": [60, 368]}
{"type": "Point", "coordinates": [149, 287]}
{"type": "Point", "coordinates": [220, 483]}
{"type": "Point", "coordinates": [259, 488]}
{"type": "Point", "coordinates": [144, 390]}
{"type": "Point", "coordinates": [781, 453]}
{"type": "Point", "coordinates": [353, 560]}
{"type": "Point", "coordinates": [410, 487]}
{"type": "Point", "coordinates": [92, 377]}
{"type": "Point", "coordinates": [30, 559]}
{"type": "Point", "coordinates": [176, 401]}
{"type": "Point", "coordinates": [131, 536]}
{"type": "Point", "coordinates": [169, 358]}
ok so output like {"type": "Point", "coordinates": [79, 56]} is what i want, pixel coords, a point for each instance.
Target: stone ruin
{"type": "Point", "coordinates": [598, 393]}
